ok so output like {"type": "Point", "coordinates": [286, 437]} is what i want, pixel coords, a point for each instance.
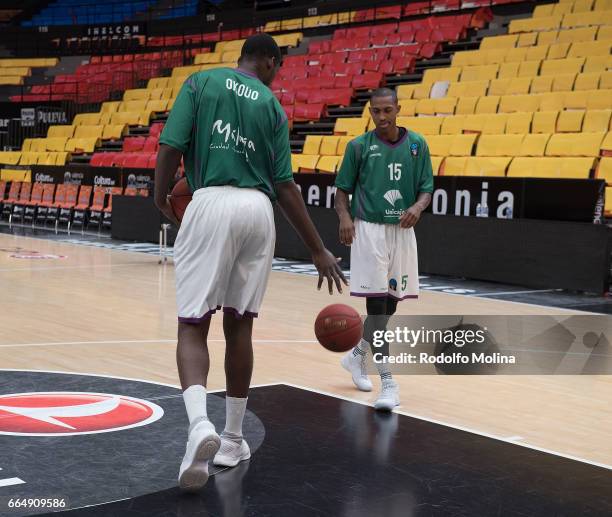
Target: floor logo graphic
{"type": "Point", "coordinates": [72, 413]}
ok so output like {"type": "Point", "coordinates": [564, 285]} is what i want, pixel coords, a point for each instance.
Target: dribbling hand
{"type": "Point", "coordinates": [327, 266]}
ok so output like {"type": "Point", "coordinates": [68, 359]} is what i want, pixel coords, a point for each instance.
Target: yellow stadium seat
{"type": "Point", "coordinates": [439, 145]}
{"type": "Point", "coordinates": [88, 132]}
{"type": "Point", "coordinates": [570, 121]}
{"type": "Point", "coordinates": [110, 107]}
{"type": "Point", "coordinates": [597, 63]}
{"type": "Point", "coordinates": [28, 158]}
{"type": "Point", "coordinates": [606, 145]}
{"type": "Point", "coordinates": [452, 125]}
{"type": "Point", "coordinates": [86, 145]}
{"type": "Point", "coordinates": [498, 145]}
{"type": "Point", "coordinates": [209, 57]}
{"type": "Point", "coordinates": [544, 122]}
{"type": "Point", "coordinates": [404, 91]}
{"type": "Point", "coordinates": [604, 172]}
{"type": "Point", "coordinates": [65, 131]}
{"type": "Point", "coordinates": [467, 57]}
{"type": "Point", "coordinates": [551, 101]}
{"type": "Point", "coordinates": [10, 157]}
{"type": "Point", "coordinates": [598, 99]}
{"type": "Point", "coordinates": [557, 51]}
{"type": "Point", "coordinates": [328, 163]}
{"type": "Point", "coordinates": [549, 167]}
{"type": "Point", "coordinates": [596, 121]}
{"type": "Point", "coordinates": [582, 34]}
{"type": "Point", "coordinates": [527, 39]}
{"type": "Point", "coordinates": [604, 32]}
{"type": "Point", "coordinates": [444, 105]}
{"type": "Point", "coordinates": [432, 75]}
{"type": "Point", "coordinates": [468, 89]}
{"type": "Point", "coordinates": [486, 166]}
{"type": "Point", "coordinates": [342, 143]}
{"type": "Point", "coordinates": [454, 165]}
{"type": "Point", "coordinates": [86, 119]}
{"type": "Point", "coordinates": [562, 66]}
{"type": "Point", "coordinates": [304, 162]}
{"type": "Point", "coordinates": [487, 104]}
{"type": "Point", "coordinates": [131, 118]}
{"type": "Point", "coordinates": [114, 131]}
{"type": "Point", "coordinates": [543, 10]}
{"type": "Point", "coordinates": [562, 8]}
{"type": "Point", "coordinates": [509, 70]}
{"type": "Point", "coordinates": [535, 24]}
{"type": "Point", "coordinates": [157, 82]}
{"type": "Point", "coordinates": [528, 68]}
{"type": "Point", "coordinates": [499, 86]}
{"type": "Point", "coordinates": [575, 144]}
{"type": "Point", "coordinates": [272, 26]}
{"type": "Point", "coordinates": [56, 144]}
{"type": "Point", "coordinates": [137, 94]}
{"type": "Point", "coordinates": [350, 126]}
{"type": "Point", "coordinates": [435, 164]}
{"type": "Point", "coordinates": [156, 94]}
{"type": "Point", "coordinates": [495, 42]}
{"type": "Point", "coordinates": [512, 103]}
{"type": "Point", "coordinates": [462, 145]}
{"type": "Point", "coordinates": [533, 144]}
{"type": "Point", "coordinates": [541, 84]}
{"type": "Point", "coordinates": [563, 82]}
{"type": "Point", "coordinates": [479, 73]}
{"type": "Point", "coordinates": [588, 81]}
{"type": "Point", "coordinates": [587, 19]}
{"type": "Point", "coordinates": [231, 56]}
{"type": "Point", "coordinates": [329, 146]}
{"type": "Point", "coordinates": [61, 158]}
{"type": "Point", "coordinates": [312, 144]}
{"type": "Point", "coordinates": [580, 6]}
{"type": "Point", "coordinates": [519, 54]}
{"type": "Point", "coordinates": [185, 71]}
{"type": "Point", "coordinates": [157, 106]}
{"type": "Point", "coordinates": [46, 159]}
{"type": "Point", "coordinates": [519, 123]}
{"type": "Point", "coordinates": [466, 105]}
{"type": "Point", "coordinates": [494, 124]}
{"type": "Point", "coordinates": [605, 81]}
{"type": "Point", "coordinates": [408, 107]}
{"type": "Point", "coordinates": [133, 105]}
{"type": "Point", "coordinates": [26, 145]}
{"type": "Point", "coordinates": [590, 48]}
{"type": "Point", "coordinates": [423, 125]}
{"type": "Point", "coordinates": [422, 91]}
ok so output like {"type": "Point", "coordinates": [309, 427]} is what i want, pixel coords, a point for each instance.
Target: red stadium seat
{"type": "Point", "coordinates": [156, 129]}
{"type": "Point", "coordinates": [358, 32]}
{"type": "Point", "coordinates": [152, 161]}
{"type": "Point", "coordinates": [288, 98]}
{"type": "Point", "coordinates": [383, 29]}
{"type": "Point", "coordinates": [343, 81]}
{"type": "Point", "coordinates": [429, 49]}
{"type": "Point", "coordinates": [133, 144]}
{"type": "Point", "coordinates": [151, 145]}
{"type": "Point", "coordinates": [384, 13]}
{"type": "Point", "coordinates": [368, 80]}
{"type": "Point", "coordinates": [289, 111]}
{"type": "Point", "coordinates": [305, 112]}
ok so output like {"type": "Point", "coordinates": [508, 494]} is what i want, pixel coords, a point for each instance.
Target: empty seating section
{"type": "Point", "coordinates": [77, 12]}
{"type": "Point", "coordinates": [359, 59]}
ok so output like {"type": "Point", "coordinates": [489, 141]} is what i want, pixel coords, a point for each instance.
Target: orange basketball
{"type": "Point", "coordinates": [338, 327]}
{"type": "Point", "coordinates": [180, 197]}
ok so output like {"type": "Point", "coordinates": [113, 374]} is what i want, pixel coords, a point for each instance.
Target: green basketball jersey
{"type": "Point", "coordinates": [231, 131]}
{"type": "Point", "coordinates": [385, 179]}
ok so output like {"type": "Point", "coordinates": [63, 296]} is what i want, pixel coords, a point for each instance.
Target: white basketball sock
{"type": "Point", "coordinates": [234, 415]}
{"type": "Point", "coordinates": [195, 403]}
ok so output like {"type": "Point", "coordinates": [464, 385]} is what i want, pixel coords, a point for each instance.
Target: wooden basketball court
{"type": "Point", "coordinates": [102, 311]}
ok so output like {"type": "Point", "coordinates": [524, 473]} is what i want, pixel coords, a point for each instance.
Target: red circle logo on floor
{"type": "Point", "coordinates": [72, 413]}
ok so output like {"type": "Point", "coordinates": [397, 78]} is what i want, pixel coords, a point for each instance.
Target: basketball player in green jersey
{"type": "Point", "coordinates": [234, 137]}
{"type": "Point", "coordinates": [388, 172]}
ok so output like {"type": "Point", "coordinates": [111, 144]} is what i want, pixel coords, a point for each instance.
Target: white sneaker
{"type": "Point", "coordinates": [388, 398]}
{"type": "Point", "coordinates": [356, 366]}
{"type": "Point", "coordinates": [202, 445]}
{"type": "Point", "coordinates": [232, 453]}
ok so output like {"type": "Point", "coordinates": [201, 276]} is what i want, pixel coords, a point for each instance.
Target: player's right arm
{"type": "Point", "coordinates": [345, 184]}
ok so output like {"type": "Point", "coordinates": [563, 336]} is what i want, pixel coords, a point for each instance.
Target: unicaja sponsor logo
{"type": "Point", "coordinates": [392, 196]}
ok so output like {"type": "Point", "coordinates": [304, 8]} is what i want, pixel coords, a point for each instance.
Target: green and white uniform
{"type": "Point", "coordinates": [234, 136]}
{"type": "Point", "coordinates": [384, 179]}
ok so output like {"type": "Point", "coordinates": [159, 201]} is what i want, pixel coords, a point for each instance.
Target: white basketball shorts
{"type": "Point", "coordinates": [223, 253]}
{"type": "Point", "coordinates": [384, 261]}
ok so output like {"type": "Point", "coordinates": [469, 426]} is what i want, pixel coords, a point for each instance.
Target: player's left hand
{"type": "Point", "coordinates": [328, 267]}
{"type": "Point", "coordinates": [410, 217]}
{"type": "Point", "coordinates": [166, 209]}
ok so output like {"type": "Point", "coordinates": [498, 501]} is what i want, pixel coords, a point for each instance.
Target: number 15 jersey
{"type": "Point", "coordinates": [385, 179]}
